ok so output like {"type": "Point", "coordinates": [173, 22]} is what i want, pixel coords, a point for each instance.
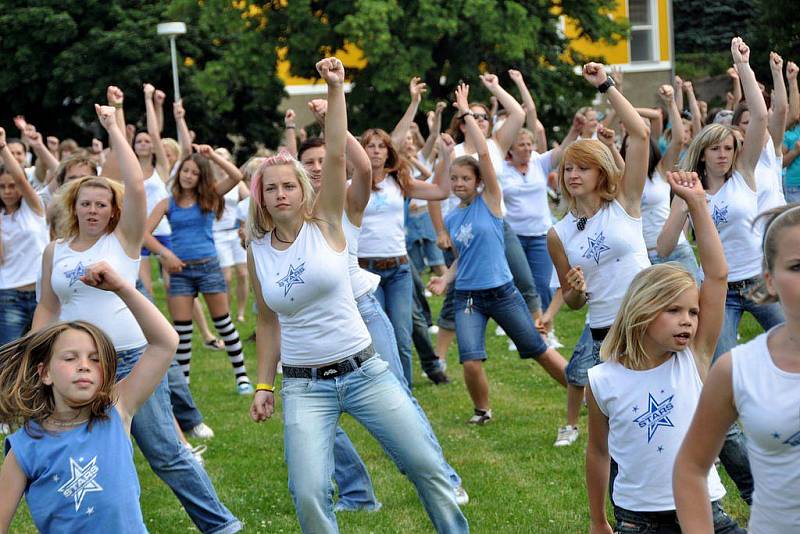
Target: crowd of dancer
{"type": "Point", "coordinates": [667, 224]}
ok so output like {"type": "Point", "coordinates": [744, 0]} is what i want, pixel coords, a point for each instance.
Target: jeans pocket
{"type": "Point", "coordinates": [291, 386]}
{"type": "Point", "coordinates": [373, 368]}
{"type": "Point", "coordinates": [630, 527]}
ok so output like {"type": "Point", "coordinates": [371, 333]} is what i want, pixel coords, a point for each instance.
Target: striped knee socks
{"type": "Point", "coordinates": [184, 352]}
{"type": "Point", "coordinates": [233, 346]}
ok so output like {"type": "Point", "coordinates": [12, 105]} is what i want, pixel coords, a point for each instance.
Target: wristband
{"type": "Point", "coordinates": [459, 117]}
{"type": "Point", "coordinates": [603, 87]}
{"type": "Point", "coordinates": [117, 105]}
{"type": "Point", "coordinates": [265, 387]}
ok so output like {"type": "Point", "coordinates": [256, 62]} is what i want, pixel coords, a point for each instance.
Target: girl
{"type": "Point", "coordinates": [23, 236]}
{"type": "Point", "coordinates": [598, 247]}
{"type": "Point", "coordinates": [483, 281]}
{"type": "Point", "coordinates": [642, 397]}
{"type": "Point", "coordinates": [757, 383]}
{"type": "Point", "coordinates": [195, 202]}
{"type": "Point", "coordinates": [72, 458]}
{"type": "Point", "coordinates": [101, 224]}
{"type": "Point", "coordinates": [308, 319]}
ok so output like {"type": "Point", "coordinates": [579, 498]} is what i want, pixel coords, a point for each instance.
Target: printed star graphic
{"type": "Point", "coordinates": [90, 510]}
{"type": "Point", "coordinates": [74, 276]}
{"type": "Point", "coordinates": [56, 478]}
{"type": "Point", "coordinates": [292, 278]}
{"type": "Point", "coordinates": [635, 409]}
{"type": "Point", "coordinates": [465, 235]}
{"type": "Point", "coordinates": [378, 202]}
{"type": "Point", "coordinates": [720, 215]}
{"type": "Point", "coordinates": [660, 448]}
{"type": "Point", "coordinates": [793, 440]}
{"type": "Point", "coordinates": [82, 481]}
{"type": "Point", "coordinates": [596, 247]}
{"type": "Point", "coordinates": [776, 435]}
{"type": "Point", "coordinates": [657, 415]}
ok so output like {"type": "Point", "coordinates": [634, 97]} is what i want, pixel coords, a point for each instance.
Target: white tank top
{"type": "Point", "coordinates": [155, 191]}
{"type": "Point", "coordinates": [649, 413]}
{"type": "Point", "coordinates": [361, 280]}
{"type": "Point", "coordinates": [383, 233]}
{"type": "Point", "coordinates": [768, 402]}
{"type": "Point", "coordinates": [734, 208]}
{"type": "Point", "coordinates": [228, 219]}
{"type": "Point", "coordinates": [611, 251]}
{"type": "Point", "coordinates": [769, 178]}
{"type": "Point", "coordinates": [308, 286]}
{"type": "Point", "coordinates": [655, 209]}
{"type": "Point", "coordinates": [525, 196]}
{"type": "Point", "coordinates": [24, 236]}
{"type": "Point", "coordinates": [104, 309]}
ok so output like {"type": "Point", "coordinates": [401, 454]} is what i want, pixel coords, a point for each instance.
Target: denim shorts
{"type": "Point", "coordinates": [199, 276]}
{"type": "Point", "coordinates": [16, 313]}
{"type": "Point", "coordinates": [585, 356]}
{"type": "Point", "coordinates": [629, 522]}
{"type": "Point", "coordinates": [505, 305]}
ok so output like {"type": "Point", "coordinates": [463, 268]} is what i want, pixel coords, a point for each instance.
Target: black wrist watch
{"type": "Point", "coordinates": [465, 114]}
{"type": "Point", "coordinates": [603, 87]}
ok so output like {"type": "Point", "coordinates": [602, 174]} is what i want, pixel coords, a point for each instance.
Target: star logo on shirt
{"type": "Point", "coordinates": [74, 275]}
{"type": "Point", "coordinates": [379, 202]}
{"type": "Point", "coordinates": [82, 481]}
{"type": "Point", "coordinates": [596, 247]}
{"type": "Point", "coordinates": [465, 235]}
{"type": "Point", "coordinates": [657, 415]}
{"type": "Point", "coordinates": [719, 214]}
{"type": "Point", "coordinates": [292, 278]}
{"type": "Point", "coordinates": [793, 440]}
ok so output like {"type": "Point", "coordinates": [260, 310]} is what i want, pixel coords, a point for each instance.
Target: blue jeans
{"type": "Point", "coordinates": [791, 193]}
{"type": "Point", "coordinates": [154, 431]}
{"type": "Point", "coordinates": [180, 396]}
{"type": "Point", "coordinates": [447, 315]}
{"type": "Point", "coordinates": [518, 264]}
{"type": "Point", "coordinates": [629, 522]}
{"type": "Point", "coordinates": [682, 254]}
{"type": "Point", "coordinates": [421, 241]}
{"type": "Point", "coordinates": [16, 313]}
{"type": "Point", "coordinates": [350, 473]}
{"type": "Point", "coordinates": [395, 296]}
{"type": "Point", "coordinates": [377, 400]}
{"type": "Point", "coordinates": [202, 277]}
{"type": "Point", "coordinates": [506, 306]}
{"type": "Point", "coordinates": [585, 356]}
{"type": "Point", "coordinates": [541, 265]}
{"type": "Point", "coordinates": [738, 302]}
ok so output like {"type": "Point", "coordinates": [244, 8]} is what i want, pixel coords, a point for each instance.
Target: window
{"type": "Point", "coordinates": [644, 25]}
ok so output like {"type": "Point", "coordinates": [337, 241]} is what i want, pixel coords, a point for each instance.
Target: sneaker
{"type": "Point", "coordinates": [244, 388]}
{"type": "Point", "coordinates": [552, 340]}
{"type": "Point", "coordinates": [201, 431]}
{"type": "Point", "coordinates": [214, 344]}
{"type": "Point", "coordinates": [481, 417]}
{"type": "Point", "coordinates": [499, 331]}
{"type": "Point", "coordinates": [462, 497]}
{"type": "Point", "coordinates": [433, 330]}
{"type": "Point", "coordinates": [428, 294]}
{"type": "Point", "coordinates": [438, 377]}
{"type": "Point", "coordinates": [197, 452]}
{"type": "Point", "coordinates": [567, 435]}
{"type": "Point", "coordinates": [5, 429]}
{"type": "Point", "coordinates": [511, 346]}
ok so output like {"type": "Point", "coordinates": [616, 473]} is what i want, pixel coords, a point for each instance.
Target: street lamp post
{"type": "Point", "coordinates": [171, 30]}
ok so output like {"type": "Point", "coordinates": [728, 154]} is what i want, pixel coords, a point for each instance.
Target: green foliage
{"type": "Point", "coordinates": [703, 26]}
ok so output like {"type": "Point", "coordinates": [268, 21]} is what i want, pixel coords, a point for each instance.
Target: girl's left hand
{"type": "Point", "coordinates": [462, 98]}
{"type": "Point", "coordinates": [102, 276]}
{"type": "Point", "coordinates": [687, 185]}
{"type": "Point", "coordinates": [203, 150]}
{"type": "Point", "coordinates": [606, 135]}
{"type": "Point", "coordinates": [437, 285]}
{"type": "Point", "coordinates": [106, 116]}
{"type": "Point", "coordinates": [331, 70]}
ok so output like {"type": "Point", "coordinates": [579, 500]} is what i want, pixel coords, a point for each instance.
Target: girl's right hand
{"type": "Point", "coordinates": [606, 135]}
{"type": "Point", "coordinates": [106, 116]}
{"type": "Point", "coordinates": [263, 406]}
{"type": "Point", "coordinates": [318, 107]}
{"type": "Point", "coordinates": [443, 240]}
{"type": "Point", "coordinates": [177, 110]}
{"type": "Point", "coordinates": [103, 276]}
{"type": "Point", "coordinates": [687, 185]}
{"type": "Point", "coordinates": [203, 150]}
{"type": "Point", "coordinates": [603, 528]}
{"type": "Point", "coordinates": [666, 93]}
{"type": "Point", "coordinates": [331, 70]}
{"type": "Point", "coordinates": [171, 262]}
{"type": "Point", "coordinates": [437, 285]}
{"type": "Point", "coordinates": [462, 98]}
{"type": "Point", "coordinates": [740, 51]}
{"type": "Point", "coordinates": [114, 95]}
{"type": "Point", "coordinates": [149, 90]}
{"type": "Point", "coordinates": [791, 70]}
{"type": "Point", "coordinates": [575, 279]}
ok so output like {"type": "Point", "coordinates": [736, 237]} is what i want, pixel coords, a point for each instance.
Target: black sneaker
{"type": "Point", "coordinates": [438, 377]}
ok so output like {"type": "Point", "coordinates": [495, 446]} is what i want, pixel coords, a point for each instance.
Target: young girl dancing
{"type": "Point", "coordinates": [642, 397]}
{"type": "Point", "coordinates": [757, 383]}
{"type": "Point", "coordinates": [72, 456]}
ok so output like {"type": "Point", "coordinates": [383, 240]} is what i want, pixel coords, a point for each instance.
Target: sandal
{"type": "Point", "coordinates": [214, 344]}
{"type": "Point", "coordinates": [481, 417]}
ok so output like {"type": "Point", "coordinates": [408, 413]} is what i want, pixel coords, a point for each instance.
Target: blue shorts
{"type": "Point", "coordinates": [165, 240]}
{"type": "Point", "coordinates": [585, 356]}
{"type": "Point", "coordinates": [198, 276]}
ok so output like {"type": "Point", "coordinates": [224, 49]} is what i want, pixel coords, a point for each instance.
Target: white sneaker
{"type": "Point", "coordinates": [462, 497]}
{"type": "Point", "coordinates": [433, 330]}
{"type": "Point", "coordinates": [428, 294]}
{"type": "Point", "coordinates": [197, 452]}
{"type": "Point", "coordinates": [499, 331]}
{"type": "Point", "coordinates": [567, 435]}
{"type": "Point", "coordinates": [552, 340]}
{"type": "Point", "coordinates": [511, 346]}
{"type": "Point", "coordinates": [201, 431]}
{"type": "Point", "coordinates": [5, 429]}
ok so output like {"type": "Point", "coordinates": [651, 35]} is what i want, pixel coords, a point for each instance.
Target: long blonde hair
{"type": "Point", "coordinates": [713, 134]}
{"type": "Point", "coordinates": [650, 292]}
{"type": "Point", "coordinates": [776, 220]}
{"type": "Point", "coordinates": [69, 225]}
{"type": "Point", "coordinates": [591, 153]}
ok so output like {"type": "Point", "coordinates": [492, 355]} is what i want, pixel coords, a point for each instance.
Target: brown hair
{"type": "Point", "coordinates": [454, 130]}
{"type": "Point", "coordinates": [70, 145]}
{"type": "Point", "coordinates": [777, 220]}
{"type": "Point", "coordinates": [395, 163]}
{"type": "Point", "coordinates": [23, 395]}
{"type": "Point", "coordinates": [79, 158]}
{"type": "Point", "coordinates": [69, 198]}
{"type": "Point", "coordinates": [206, 191]}
{"type": "Point", "coordinates": [591, 153]}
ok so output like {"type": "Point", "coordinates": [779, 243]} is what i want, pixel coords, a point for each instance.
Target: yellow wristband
{"type": "Point", "coordinates": [265, 387]}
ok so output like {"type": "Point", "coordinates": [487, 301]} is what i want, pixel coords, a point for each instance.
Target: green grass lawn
{"type": "Point", "coordinates": [516, 479]}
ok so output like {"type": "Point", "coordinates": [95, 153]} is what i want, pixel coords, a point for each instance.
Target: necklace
{"type": "Point", "coordinates": [275, 233]}
{"type": "Point", "coordinates": [581, 223]}
{"type": "Point", "coordinates": [66, 424]}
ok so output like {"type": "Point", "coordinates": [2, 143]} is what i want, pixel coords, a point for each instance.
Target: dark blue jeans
{"type": "Point", "coordinates": [518, 264]}
{"type": "Point", "coordinates": [16, 313]}
{"type": "Point", "coordinates": [629, 522]}
{"type": "Point", "coordinates": [180, 396]}
{"type": "Point", "coordinates": [541, 266]}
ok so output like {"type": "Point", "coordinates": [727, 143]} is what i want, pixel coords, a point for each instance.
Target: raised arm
{"type": "Point", "coordinates": [686, 185]}
{"type": "Point", "coordinates": [754, 137]}
{"type": "Point", "coordinates": [638, 150]}
{"type": "Point", "coordinates": [158, 101]}
{"type": "Point", "coordinates": [268, 348]}
{"type": "Point", "coordinates": [776, 123]}
{"type": "Point", "coordinates": [48, 161]}
{"type": "Point", "coordinates": [154, 130]}
{"type": "Point", "coordinates": [694, 108]}
{"type": "Point", "coordinates": [29, 195]}
{"type": "Point", "coordinates": [439, 189]}
{"type": "Point", "coordinates": [434, 129]}
{"type": "Point", "coordinates": [670, 156]}
{"type": "Point", "coordinates": [492, 194]}
{"type": "Point", "coordinates": [115, 98]}
{"type": "Point", "coordinates": [794, 93]}
{"type": "Point", "coordinates": [654, 119]}
{"type": "Point", "coordinates": [515, 118]}
{"type": "Point", "coordinates": [330, 200]}
{"type": "Point", "coordinates": [289, 132]}
{"type": "Point", "coordinates": [528, 104]}
{"type": "Point", "coordinates": [574, 131]}
{"type": "Point", "coordinates": [736, 85]}
{"type": "Point", "coordinates": [677, 89]}
{"type": "Point", "coordinates": [607, 137]}
{"type": "Point", "coordinates": [234, 175]}
{"type": "Point", "coordinates": [184, 137]}
{"type": "Point", "coordinates": [162, 340]}
{"type": "Point", "coordinates": [416, 88]}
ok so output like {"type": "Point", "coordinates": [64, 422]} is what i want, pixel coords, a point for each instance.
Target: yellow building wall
{"type": "Point", "coordinates": [351, 56]}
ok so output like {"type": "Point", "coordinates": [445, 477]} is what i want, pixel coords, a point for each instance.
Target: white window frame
{"type": "Point", "coordinates": [652, 27]}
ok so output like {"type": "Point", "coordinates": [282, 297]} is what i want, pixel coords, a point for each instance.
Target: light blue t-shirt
{"type": "Point", "coordinates": [792, 171]}
{"type": "Point", "coordinates": [80, 480]}
{"type": "Point", "coordinates": [192, 237]}
{"type": "Point", "coordinates": [477, 235]}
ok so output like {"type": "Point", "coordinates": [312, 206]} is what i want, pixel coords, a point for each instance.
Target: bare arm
{"type": "Point", "coordinates": [776, 124]}
{"type": "Point", "coordinates": [184, 137]}
{"type": "Point", "coordinates": [434, 128]}
{"type": "Point", "coordinates": [49, 307]}
{"type": "Point", "coordinates": [671, 231]}
{"type": "Point", "coordinates": [694, 108]}
{"type": "Point", "coordinates": [756, 130]}
{"type": "Point", "coordinates": [607, 136]}
{"type": "Point", "coordinates": [505, 136]}
{"type": "Point", "coordinates": [653, 116]}
{"type": "Point", "coordinates": [673, 151]}
{"type": "Point", "coordinates": [154, 130]}
{"type": "Point", "coordinates": [12, 486]}
{"type": "Point", "coordinates": [736, 86]}
{"type": "Point", "coordinates": [677, 88]}
{"type": "Point", "coordinates": [531, 118]}
{"type": "Point", "coordinates": [794, 93]}
{"type": "Point", "coordinates": [440, 188]}
{"type": "Point", "coordinates": [289, 132]}
{"type": "Point", "coordinates": [715, 413]}
{"type": "Point", "coordinates": [417, 89]}
{"type": "Point", "coordinates": [29, 195]}
{"type": "Point", "coordinates": [268, 347]}
{"type": "Point", "coordinates": [361, 185]}
{"type": "Point", "coordinates": [790, 155]}
{"type": "Point", "coordinates": [49, 161]}
{"type": "Point", "coordinates": [573, 287]}
{"type": "Point", "coordinates": [598, 465]}
{"type": "Point", "coordinates": [234, 175]}
{"type": "Point", "coordinates": [572, 136]}
{"type": "Point", "coordinates": [442, 236]}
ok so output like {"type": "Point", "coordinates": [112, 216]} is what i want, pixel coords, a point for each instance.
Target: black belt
{"type": "Point", "coordinates": [333, 370]}
{"type": "Point", "coordinates": [744, 284]}
{"type": "Point", "coordinates": [599, 334]}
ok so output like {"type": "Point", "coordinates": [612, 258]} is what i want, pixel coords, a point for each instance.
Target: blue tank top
{"type": "Point", "coordinates": [477, 235]}
{"type": "Point", "coordinates": [192, 237]}
{"type": "Point", "coordinates": [80, 481]}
